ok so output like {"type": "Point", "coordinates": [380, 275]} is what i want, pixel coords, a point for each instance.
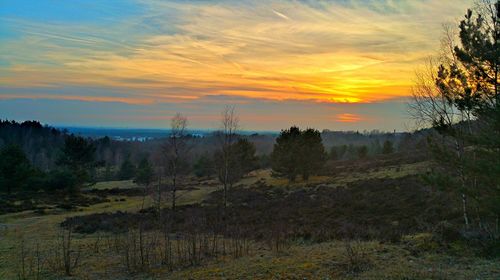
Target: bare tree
{"type": "Point", "coordinates": [175, 150]}
{"type": "Point", "coordinates": [65, 257]}
{"type": "Point", "coordinates": [459, 99]}
{"type": "Point", "coordinates": [431, 107]}
{"type": "Point", "coordinates": [227, 137]}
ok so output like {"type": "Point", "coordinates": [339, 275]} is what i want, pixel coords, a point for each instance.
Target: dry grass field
{"type": "Point", "coordinates": [32, 239]}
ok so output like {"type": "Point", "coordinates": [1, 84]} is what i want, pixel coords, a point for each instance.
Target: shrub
{"type": "Point", "coordinates": [62, 179]}
{"type": "Point", "coordinates": [356, 257]}
{"type": "Point", "coordinates": [420, 243]}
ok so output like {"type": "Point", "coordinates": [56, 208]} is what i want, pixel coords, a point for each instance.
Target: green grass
{"type": "Point", "coordinates": [317, 261]}
{"type": "Point", "coordinates": [127, 184]}
{"type": "Point", "coordinates": [330, 261]}
{"type": "Point", "coordinates": [341, 179]}
{"type": "Point", "coordinates": [389, 172]}
{"type": "Point", "coordinates": [44, 229]}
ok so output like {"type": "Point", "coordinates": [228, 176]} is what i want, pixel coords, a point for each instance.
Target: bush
{"type": "Point", "coordinates": [445, 232]}
{"type": "Point", "coordinates": [63, 179]}
{"type": "Point", "coordinates": [127, 170]}
{"type": "Point", "coordinates": [37, 182]}
{"type": "Point", "coordinates": [492, 249]}
{"type": "Point", "coordinates": [356, 257]}
{"type": "Point", "coordinates": [420, 243]}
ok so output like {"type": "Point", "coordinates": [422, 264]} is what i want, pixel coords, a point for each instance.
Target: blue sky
{"type": "Point", "coordinates": [324, 64]}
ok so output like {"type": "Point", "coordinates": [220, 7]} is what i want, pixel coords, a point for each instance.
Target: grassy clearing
{"type": "Point", "coordinates": [301, 261]}
{"type": "Point", "coordinates": [127, 184]}
{"type": "Point", "coordinates": [330, 261]}
{"type": "Point", "coordinates": [45, 228]}
{"type": "Point", "coordinates": [386, 172]}
{"type": "Point", "coordinates": [341, 179]}
{"type": "Point", "coordinates": [318, 261]}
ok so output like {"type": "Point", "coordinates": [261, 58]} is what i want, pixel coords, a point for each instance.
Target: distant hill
{"type": "Point", "coordinates": [142, 134]}
{"type": "Point", "coordinates": [42, 143]}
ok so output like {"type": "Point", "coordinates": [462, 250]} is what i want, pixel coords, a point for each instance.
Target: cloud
{"type": "Point", "coordinates": [255, 114]}
{"type": "Point", "coordinates": [348, 118]}
{"type": "Point", "coordinates": [281, 15]}
{"type": "Point", "coordinates": [185, 51]}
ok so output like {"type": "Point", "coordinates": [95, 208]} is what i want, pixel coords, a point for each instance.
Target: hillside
{"type": "Point", "coordinates": [372, 220]}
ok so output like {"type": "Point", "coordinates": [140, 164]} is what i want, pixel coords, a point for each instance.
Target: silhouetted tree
{"type": "Point", "coordinates": [342, 151]}
{"type": "Point", "coordinates": [334, 153]}
{"type": "Point", "coordinates": [312, 153]}
{"type": "Point", "coordinates": [387, 148]}
{"type": "Point", "coordinates": [461, 101]}
{"type": "Point", "coordinates": [375, 147]}
{"type": "Point", "coordinates": [78, 156]}
{"type": "Point", "coordinates": [264, 161]}
{"type": "Point", "coordinates": [226, 138]}
{"type": "Point", "coordinates": [351, 152]}
{"type": "Point", "coordinates": [298, 152]}
{"type": "Point", "coordinates": [244, 153]}
{"type": "Point", "coordinates": [176, 150]}
{"type": "Point", "coordinates": [242, 160]}
{"type": "Point", "coordinates": [39, 143]}
{"type": "Point", "coordinates": [15, 169]}
{"type": "Point", "coordinates": [285, 158]}
{"type": "Point", "coordinates": [127, 169]}
{"type": "Point", "coordinates": [203, 166]}
{"type": "Point", "coordinates": [362, 152]}
{"type": "Point", "coordinates": [144, 173]}
{"type": "Point", "coordinates": [61, 179]}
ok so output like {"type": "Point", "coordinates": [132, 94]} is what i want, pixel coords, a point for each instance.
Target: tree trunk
{"type": "Point", "coordinates": [464, 209]}
{"type": "Point", "coordinates": [159, 196]}
{"type": "Point", "coordinates": [174, 192]}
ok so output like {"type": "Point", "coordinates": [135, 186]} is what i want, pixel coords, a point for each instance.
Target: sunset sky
{"type": "Point", "coordinates": [335, 64]}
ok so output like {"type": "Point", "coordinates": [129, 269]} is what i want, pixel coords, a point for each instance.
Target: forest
{"type": "Point", "coordinates": [297, 204]}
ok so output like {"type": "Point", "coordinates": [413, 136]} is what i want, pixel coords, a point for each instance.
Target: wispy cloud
{"type": "Point", "coordinates": [173, 51]}
{"type": "Point", "coordinates": [281, 15]}
{"type": "Point", "coordinates": [348, 118]}
{"type": "Point", "coordinates": [205, 113]}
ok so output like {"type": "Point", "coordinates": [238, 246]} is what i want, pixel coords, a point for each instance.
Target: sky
{"type": "Point", "coordinates": [327, 64]}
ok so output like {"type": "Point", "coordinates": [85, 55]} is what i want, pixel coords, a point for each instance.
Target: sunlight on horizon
{"type": "Point", "coordinates": [150, 53]}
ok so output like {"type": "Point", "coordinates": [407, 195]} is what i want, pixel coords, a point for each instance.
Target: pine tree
{"type": "Point", "coordinates": [464, 109]}
{"type": "Point", "coordinates": [387, 148]}
{"type": "Point", "coordinates": [15, 169]}
{"type": "Point", "coordinates": [203, 166]}
{"type": "Point", "coordinates": [78, 156]}
{"type": "Point", "coordinates": [127, 170]}
{"type": "Point", "coordinates": [298, 152]}
{"type": "Point", "coordinates": [285, 158]}
{"type": "Point", "coordinates": [144, 173]}
{"type": "Point", "coordinates": [362, 152]}
{"type": "Point", "coordinates": [312, 151]}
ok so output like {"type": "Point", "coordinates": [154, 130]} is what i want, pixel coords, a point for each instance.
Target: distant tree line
{"type": "Point", "coordinates": [349, 152]}
{"type": "Point", "coordinates": [50, 159]}
{"type": "Point", "coordinates": [74, 166]}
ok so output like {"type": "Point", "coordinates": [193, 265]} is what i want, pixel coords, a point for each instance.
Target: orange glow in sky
{"type": "Point", "coordinates": [348, 118]}
{"type": "Point", "coordinates": [189, 52]}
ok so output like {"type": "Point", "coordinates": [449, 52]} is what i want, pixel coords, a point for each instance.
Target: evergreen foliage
{"type": "Point", "coordinates": [298, 152]}
{"type": "Point", "coordinates": [15, 169]}
{"type": "Point", "coordinates": [127, 169]}
{"type": "Point", "coordinates": [387, 148]}
{"type": "Point", "coordinates": [144, 173]}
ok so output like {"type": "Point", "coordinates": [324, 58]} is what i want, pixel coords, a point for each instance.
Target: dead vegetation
{"type": "Point", "coordinates": [270, 232]}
